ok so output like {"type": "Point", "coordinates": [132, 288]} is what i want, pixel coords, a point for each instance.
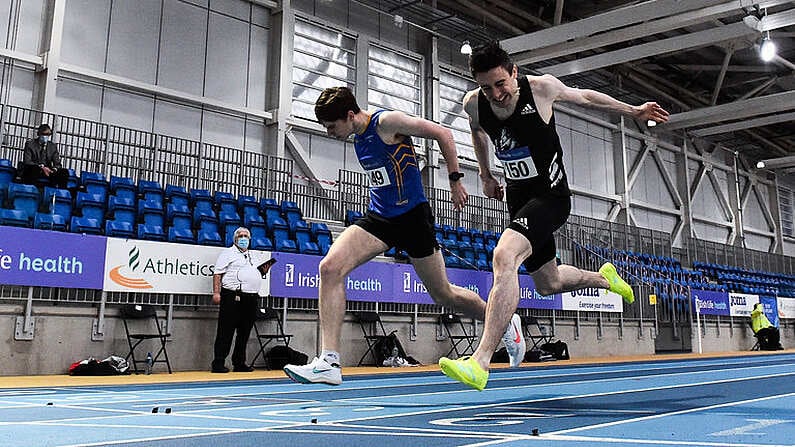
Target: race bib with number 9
{"type": "Point", "coordinates": [378, 177]}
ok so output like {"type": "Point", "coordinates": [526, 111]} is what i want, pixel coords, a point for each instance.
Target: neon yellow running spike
{"type": "Point", "coordinates": [465, 370]}
{"type": "Point", "coordinates": [617, 285]}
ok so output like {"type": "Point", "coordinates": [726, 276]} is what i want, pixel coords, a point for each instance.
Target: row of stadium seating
{"type": "Point", "coordinates": [122, 208]}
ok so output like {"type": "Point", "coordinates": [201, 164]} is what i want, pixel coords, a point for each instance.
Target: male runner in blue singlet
{"type": "Point", "coordinates": [515, 113]}
{"type": "Point", "coordinates": [398, 216]}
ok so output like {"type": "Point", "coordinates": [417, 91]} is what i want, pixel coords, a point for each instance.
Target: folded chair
{"type": "Point", "coordinates": [268, 327]}
{"type": "Point", "coordinates": [535, 333]}
{"type": "Point", "coordinates": [373, 332]}
{"type": "Point", "coordinates": [141, 323]}
{"type": "Point", "coordinates": [461, 342]}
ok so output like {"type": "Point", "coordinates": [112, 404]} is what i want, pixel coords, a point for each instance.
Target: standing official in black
{"type": "Point", "coordinates": [236, 281]}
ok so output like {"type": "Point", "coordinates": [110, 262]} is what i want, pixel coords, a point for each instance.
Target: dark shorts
{"type": "Point", "coordinates": [537, 219]}
{"type": "Point", "coordinates": [412, 231]}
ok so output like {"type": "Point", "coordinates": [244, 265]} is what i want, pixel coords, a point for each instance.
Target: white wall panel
{"type": "Point", "coordinates": [23, 80]}
{"type": "Point", "coordinates": [756, 242]}
{"type": "Point", "coordinates": [222, 129]}
{"type": "Point", "coordinates": [258, 87]}
{"type": "Point", "coordinates": [5, 18]}
{"type": "Point", "coordinates": [134, 35]}
{"type": "Point", "coordinates": [182, 47]}
{"type": "Point", "coordinates": [177, 120]}
{"type": "Point", "coordinates": [128, 109]}
{"type": "Point", "coordinates": [78, 99]}
{"type": "Point", "coordinates": [710, 232]}
{"type": "Point", "coordinates": [31, 20]}
{"type": "Point", "coordinates": [255, 137]}
{"type": "Point", "coordinates": [227, 59]}
{"type": "Point", "coordinates": [240, 9]}
{"type": "Point", "coordinates": [85, 33]}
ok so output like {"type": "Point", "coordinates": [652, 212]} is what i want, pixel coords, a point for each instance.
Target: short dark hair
{"type": "Point", "coordinates": [44, 128]}
{"type": "Point", "coordinates": [334, 103]}
{"type": "Point", "coordinates": [488, 56]}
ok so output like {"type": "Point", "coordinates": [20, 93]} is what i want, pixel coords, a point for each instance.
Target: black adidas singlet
{"type": "Point", "coordinates": [528, 148]}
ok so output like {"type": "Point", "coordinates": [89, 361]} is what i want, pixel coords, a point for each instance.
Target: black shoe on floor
{"type": "Point", "coordinates": [221, 370]}
{"type": "Point", "coordinates": [243, 369]}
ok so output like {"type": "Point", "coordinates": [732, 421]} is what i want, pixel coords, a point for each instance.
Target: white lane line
{"type": "Point", "coordinates": [671, 413]}
{"type": "Point", "coordinates": [631, 441]}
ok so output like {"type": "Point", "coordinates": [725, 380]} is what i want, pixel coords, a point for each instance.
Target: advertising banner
{"type": "Point", "coordinates": [159, 267]}
{"type": "Point", "coordinates": [50, 258]}
{"type": "Point", "coordinates": [297, 276]}
{"type": "Point", "coordinates": [710, 302]}
{"type": "Point", "coordinates": [741, 304]}
{"type": "Point", "coordinates": [786, 307]}
{"type": "Point", "coordinates": [593, 300]}
{"type": "Point", "coordinates": [530, 299]}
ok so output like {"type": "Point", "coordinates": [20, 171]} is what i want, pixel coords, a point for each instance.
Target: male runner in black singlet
{"type": "Point", "coordinates": [515, 113]}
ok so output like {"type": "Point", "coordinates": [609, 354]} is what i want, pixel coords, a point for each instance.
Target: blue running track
{"type": "Point", "coordinates": [735, 401]}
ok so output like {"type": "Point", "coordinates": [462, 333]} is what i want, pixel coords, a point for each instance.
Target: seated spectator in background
{"type": "Point", "coordinates": [767, 334]}
{"type": "Point", "coordinates": [42, 159]}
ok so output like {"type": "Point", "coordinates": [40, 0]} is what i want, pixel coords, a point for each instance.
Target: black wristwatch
{"type": "Point", "coordinates": [455, 176]}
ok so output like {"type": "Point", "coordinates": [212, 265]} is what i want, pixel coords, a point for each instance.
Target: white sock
{"type": "Point", "coordinates": [331, 357]}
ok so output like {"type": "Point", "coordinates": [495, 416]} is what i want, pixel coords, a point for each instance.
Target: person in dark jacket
{"type": "Point", "coordinates": [42, 160]}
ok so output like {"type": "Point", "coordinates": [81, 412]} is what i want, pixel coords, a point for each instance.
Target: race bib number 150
{"type": "Point", "coordinates": [520, 169]}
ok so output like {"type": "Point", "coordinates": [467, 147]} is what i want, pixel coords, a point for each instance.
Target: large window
{"type": "Point", "coordinates": [452, 88]}
{"type": "Point", "coordinates": [785, 207]}
{"type": "Point", "coordinates": [323, 57]}
{"type": "Point", "coordinates": [394, 81]}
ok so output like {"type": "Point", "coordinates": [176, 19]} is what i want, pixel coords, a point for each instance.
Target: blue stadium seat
{"type": "Point", "coordinates": [58, 201]}
{"type": "Point", "coordinates": [268, 203]}
{"type": "Point", "coordinates": [46, 221]}
{"type": "Point", "coordinates": [253, 219]}
{"type": "Point", "coordinates": [24, 198]}
{"type": "Point", "coordinates": [286, 245]}
{"type": "Point", "coordinates": [91, 206]}
{"type": "Point", "coordinates": [178, 215]}
{"type": "Point", "coordinates": [85, 225]}
{"type": "Point", "coordinates": [226, 202]}
{"type": "Point", "coordinates": [120, 228]}
{"type": "Point", "coordinates": [122, 209]}
{"type": "Point", "coordinates": [390, 252]}
{"type": "Point", "coordinates": [181, 235]}
{"type": "Point", "coordinates": [452, 262]}
{"type": "Point", "coordinates": [259, 238]}
{"type": "Point", "coordinates": [201, 199]}
{"type": "Point", "coordinates": [151, 232]}
{"type": "Point", "coordinates": [299, 225]}
{"type": "Point", "coordinates": [151, 212]}
{"type": "Point", "coordinates": [477, 236]}
{"type": "Point", "coordinates": [279, 227]}
{"type": "Point", "coordinates": [201, 215]}
{"type": "Point", "coordinates": [15, 218]}
{"type": "Point", "coordinates": [94, 183]}
{"type": "Point", "coordinates": [7, 173]}
{"type": "Point", "coordinates": [291, 212]}
{"type": "Point", "coordinates": [450, 233]}
{"type": "Point", "coordinates": [302, 236]}
{"type": "Point", "coordinates": [352, 216]}
{"type": "Point", "coordinates": [482, 264]}
{"type": "Point", "coordinates": [318, 228]}
{"type": "Point", "coordinates": [150, 190]}
{"type": "Point", "coordinates": [177, 195]}
{"type": "Point", "coordinates": [324, 242]}
{"type": "Point", "coordinates": [464, 234]}
{"type": "Point", "coordinates": [207, 237]}
{"type": "Point", "coordinates": [123, 187]}
{"type": "Point", "coordinates": [229, 222]}
{"type": "Point", "coordinates": [73, 182]}
{"type": "Point", "coordinates": [309, 248]}
{"type": "Point", "coordinates": [248, 206]}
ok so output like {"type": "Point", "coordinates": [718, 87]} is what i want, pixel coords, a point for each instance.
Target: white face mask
{"type": "Point", "coordinates": [44, 138]}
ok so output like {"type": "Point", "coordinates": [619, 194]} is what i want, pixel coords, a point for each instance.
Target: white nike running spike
{"type": "Point", "coordinates": [514, 341]}
{"type": "Point", "coordinates": [318, 371]}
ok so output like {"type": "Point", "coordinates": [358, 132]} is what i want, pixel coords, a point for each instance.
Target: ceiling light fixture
{"type": "Point", "coordinates": [767, 51]}
{"type": "Point", "coordinates": [466, 48]}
